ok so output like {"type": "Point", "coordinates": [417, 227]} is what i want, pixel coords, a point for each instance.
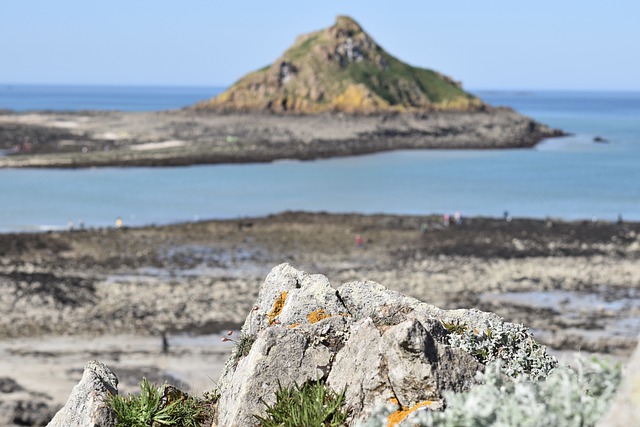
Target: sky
{"type": "Point", "coordinates": [492, 44]}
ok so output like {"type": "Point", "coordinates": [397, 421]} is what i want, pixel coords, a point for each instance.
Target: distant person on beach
{"type": "Point", "coordinates": [359, 240]}
{"type": "Point", "coordinates": [423, 228]}
{"type": "Point", "coordinates": [165, 343]}
{"type": "Point", "coordinates": [446, 219]}
{"type": "Point", "coordinates": [457, 217]}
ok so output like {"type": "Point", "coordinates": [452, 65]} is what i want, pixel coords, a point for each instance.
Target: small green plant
{"type": "Point", "coordinates": [211, 396]}
{"type": "Point", "coordinates": [158, 406]}
{"type": "Point", "coordinates": [243, 343]}
{"type": "Point", "coordinates": [455, 327]}
{"type": "Point", "coordinates": [310, 405]}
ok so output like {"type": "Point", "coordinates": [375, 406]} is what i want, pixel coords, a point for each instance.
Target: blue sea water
{"type": "Point", "coordinates": [570, 178]}
{"type": "Point", "coordinates": [123, 98]}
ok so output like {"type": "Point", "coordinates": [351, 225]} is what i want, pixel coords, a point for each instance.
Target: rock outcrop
{"type": "Point", "coordinates": [341, 68]}
{"type": "Point", "coordinates": [378, 345]}
{"type": "Point", "coordinates": [86, 405]}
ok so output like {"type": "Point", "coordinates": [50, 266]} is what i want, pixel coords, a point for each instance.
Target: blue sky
{"type": "Point", "coordinates": [492, 44]}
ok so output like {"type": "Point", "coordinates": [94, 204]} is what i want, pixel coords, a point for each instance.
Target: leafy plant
{"type": "Point", "coordinates": [455, 327]}
{"type": "Point", "coordinates": [310, 405]}
{"type": "Point", "coordinates": [158, 406]}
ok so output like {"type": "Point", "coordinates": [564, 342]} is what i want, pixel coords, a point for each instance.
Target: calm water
{"type": "Point", "coordinates": [124, 98]}
{"type": "Point", "coordinates": [572, 178]}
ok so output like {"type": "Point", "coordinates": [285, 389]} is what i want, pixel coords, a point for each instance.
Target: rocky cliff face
{"type": "Point", "coordinates": [342, 68]}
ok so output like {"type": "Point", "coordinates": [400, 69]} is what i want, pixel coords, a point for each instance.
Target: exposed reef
{"type": "Point", "coordinates": [178, 138]}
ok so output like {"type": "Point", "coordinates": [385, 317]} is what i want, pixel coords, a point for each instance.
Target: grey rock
{"type": "Point", "coordinates": [9, 385]}
{"type": "Point", "coordinates": [86, 405]}
{"type": "Point", "coordinates": [377, 345]}
{"type": "Point", "coordinates": [370, 299]}
{"type": "Point", "coordinates": [625, 408]}
{"type": "Point", "coordinates": [420, 368]}
{"type": "Point", "coordinates": [360, 369]}
{"type": "Point", "coordinates": [280, 355]}
{"type": "Point", "coordinates": [289, 296]}
{"type": "Point", "coordinates": [29, 411]}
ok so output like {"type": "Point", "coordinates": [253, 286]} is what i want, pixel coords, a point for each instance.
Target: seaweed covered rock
{"type": "Point", "coordinates": [377, 345]}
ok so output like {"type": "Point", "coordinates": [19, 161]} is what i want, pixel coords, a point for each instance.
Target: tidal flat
{"type": "Point", "coordinates": [111, 293]}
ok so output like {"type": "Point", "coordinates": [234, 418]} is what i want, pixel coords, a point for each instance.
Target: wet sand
{"type": "Point", "coordinates": [109, 294]}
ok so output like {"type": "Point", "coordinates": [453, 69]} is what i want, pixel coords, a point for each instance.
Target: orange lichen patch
{"type": "Point", "coordinates": [316, 316]}
{"type": "Point", "coordinates": [295, 325]}
{"type": "Point", "coordinates": [278, 305]}
{"type": "Point", "coordinates": [398, 416]}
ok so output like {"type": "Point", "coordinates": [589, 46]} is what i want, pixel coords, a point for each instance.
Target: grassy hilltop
{"type": "Point", "coordinates": [341, 68]}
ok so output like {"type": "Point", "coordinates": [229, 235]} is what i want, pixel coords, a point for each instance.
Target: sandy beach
{"type": "Point", "coordinates": [110, 294]}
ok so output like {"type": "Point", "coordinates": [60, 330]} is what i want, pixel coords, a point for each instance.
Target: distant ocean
{"type": "Point", "coordinates": [123, 98]}
{"type": "Point", "coordinates": [570, 178]}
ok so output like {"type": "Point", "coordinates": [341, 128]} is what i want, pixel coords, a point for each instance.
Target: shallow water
{"type": "Point", "coordinates": [614, 315]}
{"type": "Point", "coordinates": [571, 178]}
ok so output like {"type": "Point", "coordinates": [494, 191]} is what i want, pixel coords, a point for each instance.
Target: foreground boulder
{"type": "Point", "coordinates": [86, 406]}
{"type": "Point", "coordinates": [379, 345]}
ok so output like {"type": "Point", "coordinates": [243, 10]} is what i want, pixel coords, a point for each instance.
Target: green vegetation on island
{"type": "Point", "coordinates": [342, 68]}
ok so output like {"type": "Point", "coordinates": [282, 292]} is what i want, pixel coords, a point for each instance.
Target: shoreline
{"type": "Point", "coordinates": [186, 137]}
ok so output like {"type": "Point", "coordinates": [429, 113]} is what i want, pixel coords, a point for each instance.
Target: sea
{"type": "Point", "coordinates": [571, 178]}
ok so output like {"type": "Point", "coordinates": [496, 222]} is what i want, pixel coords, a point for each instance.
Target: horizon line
{"type": "Point", "coordinates": [221, 86]}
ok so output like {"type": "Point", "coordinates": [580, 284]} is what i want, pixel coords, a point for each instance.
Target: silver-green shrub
{"type": "Point", "coordinates": [567, 398]}
{"type": "Point", "coordinates": [509, 342]}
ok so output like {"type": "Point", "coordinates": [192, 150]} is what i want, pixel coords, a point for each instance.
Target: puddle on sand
{"type": "Point", "coordinates": [615, 314]}
{"type": "Point", "coordinates": [193, 261]}
{"type": "Point", "coordinates": [566, 302]}
{"type": "Point", "coordinates": [198, 254]}
{"type": "Point", "coordinates": [153, 274]}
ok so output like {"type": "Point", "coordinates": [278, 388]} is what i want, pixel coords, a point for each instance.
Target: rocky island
{"type": "Point", "coordinates": [335, 92]}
